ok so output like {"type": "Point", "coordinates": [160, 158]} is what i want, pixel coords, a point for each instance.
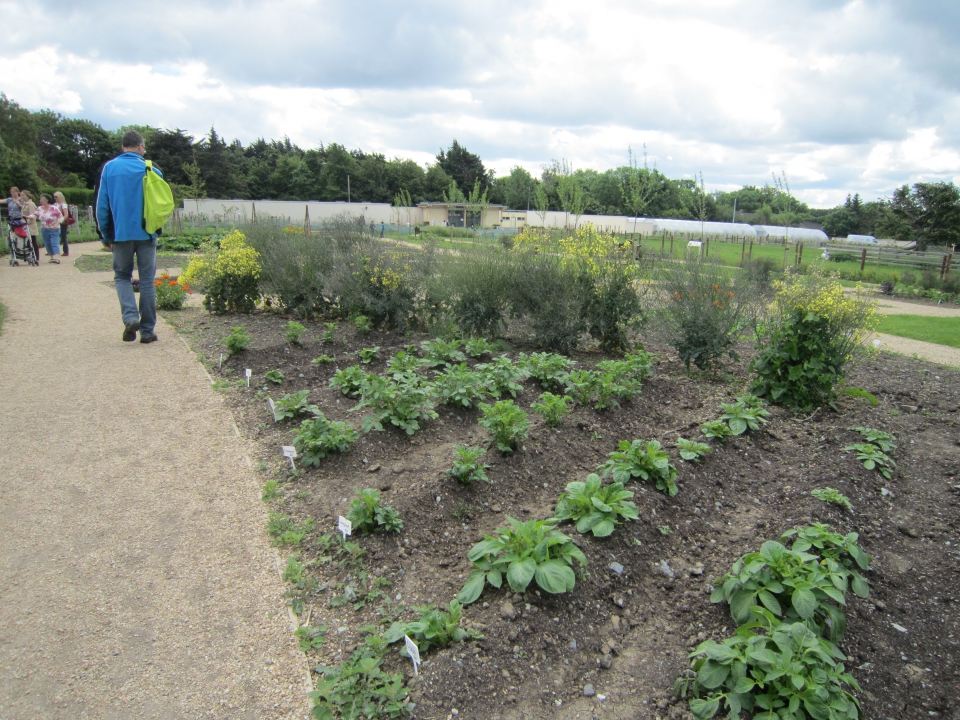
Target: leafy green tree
{"type": "Point", "coordinates": [931, 210]}
{"type": "Point", "coordinates": [516, 190]}
{"type": "Point", "coordinates": [435, 183]}
{"type": "Point", "coordinates": [463, 166]}
{"type": "Point", "coordinates": [840, 223]}
{"type": "Point", "coordinates": [17, 126]}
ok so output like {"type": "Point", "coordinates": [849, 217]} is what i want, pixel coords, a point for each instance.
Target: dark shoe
{"type": "Point", "coordinates": [130, 331]}
{"type": "Point", "coordinates": [148, 338]}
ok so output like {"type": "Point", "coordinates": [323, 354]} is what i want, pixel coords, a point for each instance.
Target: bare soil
{"type": "Point", "coordinates": [538, 650]}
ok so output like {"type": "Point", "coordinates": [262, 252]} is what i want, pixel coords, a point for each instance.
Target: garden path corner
{"type": "Point", "coordinates": [135, 576]}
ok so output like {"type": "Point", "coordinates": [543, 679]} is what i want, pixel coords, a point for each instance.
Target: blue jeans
{"type": "Point", "coordinates": [51, 240]}
{"type": "Point", "coordinates": [146, 252]}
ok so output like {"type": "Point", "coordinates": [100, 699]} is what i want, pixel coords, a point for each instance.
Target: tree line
{"type": "Point", "coordinates": [44, 149]}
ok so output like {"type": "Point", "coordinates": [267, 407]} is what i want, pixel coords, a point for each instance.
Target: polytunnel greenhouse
{"type": "Point", "coordinates": [778, 232]}
{"type": "Point", "coordinates": [695, 227]}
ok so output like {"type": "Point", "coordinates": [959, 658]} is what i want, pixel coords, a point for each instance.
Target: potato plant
{"type": "Point", "coordinates": [238, 340]}
{"type": "Point", "coordinates": [434, 628]}
{"type": "Point", "coordinates": [349, 380]}
{"type": "Point", "coordinates": [873, 457]}
{"type": "Point", "coordinates": [691, 450]}
{"type": "Point", "coordinates": [400, 404]}
{"type": "Point", "coordinates": [442, 352]}
{"type": "Point", "coordinates": [460, 386]}
{"type": "Point", "coordinates": [716, 430]}
{"type": "Point", "coordinates": [883, 440]}
{"type": "Point", "coordinates": [549, 369]}
{"type": "Point", "coordinates": [478, 347]}
{"type": "Point", "coordinates": [274, 376]}
{"type": "Point", "coordinates": [368, 354]}
{"type": "Point", "coordinates": [369, 514]}
{"type": "Point", "coordinates": [832, 496]}
{"type": "Point", "coordinates": [645, 461]}
{"type": "Point", "coordinates": [506, 422]}
{"type": "Point", "coordinates": [596, 509]}
{"type": "Point", "coordinates": [553, 408]}
{"type": "Point", "coordinates": [319, 438]}
{"type": "Point", "coordinates": [293, 332]}
{"type": "Point", "coordinates": [467, 466]}
{"type": "Point", "coordinates": [524, 552]}
{"type": "Point", "coordinates": [293, 404]}
{"type": "Point", "coordinates": [746, 413]}
{"type": "Point", "coordinates": [502, 376]}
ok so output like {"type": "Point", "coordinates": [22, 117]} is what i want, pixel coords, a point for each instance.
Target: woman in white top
{"type": "Point", "coordinates": [64, 208]}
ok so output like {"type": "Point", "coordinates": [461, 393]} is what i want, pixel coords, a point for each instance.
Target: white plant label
{"type": "Point", "coordinates": [270, 403]}
{"type": "Point", "coordinates": [289, 451]}
{"type": "Point", "coordinates": [247, 373]}
{"type": "Point", "coordinates": [344, 526]}
{"type": "Point", "coordinates": [694, 243]}
{"type": "Point", "coordinates": [414, 653]}
{"type": "Point", "coordinates": [221, 360]}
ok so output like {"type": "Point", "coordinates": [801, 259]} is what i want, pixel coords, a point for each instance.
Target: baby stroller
{"type": "Point", "coordinates": [18, 240]}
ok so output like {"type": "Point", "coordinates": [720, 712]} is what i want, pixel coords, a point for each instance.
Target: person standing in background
{"type": "Point", "coordinates": [50, 217]}
{"type": "Point", "coordinates": [61, 202]}
{"type": "Point", "coordinates": [29, 209]}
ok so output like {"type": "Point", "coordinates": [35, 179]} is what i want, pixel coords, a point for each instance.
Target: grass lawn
{"type": "Point", "coordinates": [939, 330]}
{"type": "Point", "coordinates": [103, 262]}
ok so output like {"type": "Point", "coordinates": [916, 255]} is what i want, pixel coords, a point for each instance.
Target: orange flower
{"type": "Point", "coordinates": [157, 283]}
{"type": "Point", "coordinates": [164, 276]}
{"type": "Point", "coordinates": [731, 293]}
{"type": "Point", "coordinates": [173, 283]}
{"type": "Point", "coordinates": [717, 303]}
{"type": "Point", "coordinates": [186, 286]}
{"type": "Point", "coordinates": [677, 295]}
{"type": "Point", "coordinates": [716, 287]}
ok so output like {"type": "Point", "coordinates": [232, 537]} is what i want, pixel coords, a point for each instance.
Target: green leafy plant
{"type": "Point", "coordinates": [716, 430]}
{"type": "Point", "coordinates": [594, 508]}
{"type": "Point", "coordinates": [581, 385]}
{"type": "Point", "coordinates": [833, 497]}
{"type": "Point", "coordinates": [861, 393]}
{"type": "Point", "coordinates": [664, 529]}
{"type": "Point", "coordinates": [349, 379]}
{"type": "Point", "coordinates": [634, 368]}
{"type": "Point", "coordinates": [772, 671]}
{"type": "Point", "coordinates": [478, 347]}
{"type": "Point", "coordinates": [799, 583]}
{"type": "Point", "coordinates": [608, 390]}
{"type": "Point", "coordinates": [360, 590]}
{"type": "Point", "coordinates": [403, 366]}
{"type": "Point", "coordinates": [740, 416]}
{"type": "Point", "coordinates": [434, 628]}
{"type": "Point", "coordinates": [170, 294]}
{"type": "Point", "coordinates": [467, 465]}
{"type": "Point", "coordinates": [502, 376]}
{"type": "Point", "coordinates": [318, 438]}
{"type": "Point", "coordinates": [873, 457]}
{"type": "Point", "coordinates": [645, 461]}
{"type": "Point", "coordinates": [523, 552]}
{"type": "Point", "coordinates": [311, 637]}
{"type": "Point", "coordinates": [442, 352]}
{"type": "Point", "coordinates": [883, 440]}
{"type": "Point", "coordinates": [274, 376]}
{"type": "Point", "coordinates": [293, 404]}
{"type": "Point", "coordinates": [368, 354]}
{"type": "Point", "coordinates": [328, 333]}
{"type": "Point", "coordinates": [271, 491]}
{"type": "Point", "coordinates": [691, 450]}
{"type": "Point", "coordinates": [304, 586]}
{"type": "Point", "coordinates": [322, 360]}
{"type": "Point", "coordinates": [549, 369]}
{"type": "Point", "coordinates": [506, 422]}
{"type": "Point", "coordinates": [369, 514]}
{"type": "Point", "coordinates": [238, 340]}
{"type": "Point", "coordinates": [285, 531]}
{"type": "Point", "coordinates": [363, 323]}
{"type": "Point", "coordinates": [293, 332]}
{"type": "Point", "coordinates": [402, 404]}
{"type": "Point", "coordinates": [359, 689]}
{"type": "Point", "coordinates": [552, 407]}
{"type": "Point", "coordinates": [460, 386]}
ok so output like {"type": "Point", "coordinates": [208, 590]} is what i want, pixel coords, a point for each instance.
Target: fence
{"type": "Point", "coordinates": [941, 261]}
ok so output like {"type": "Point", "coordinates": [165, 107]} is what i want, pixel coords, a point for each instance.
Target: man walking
{"type": "Point", "coordinates": [120, 224]}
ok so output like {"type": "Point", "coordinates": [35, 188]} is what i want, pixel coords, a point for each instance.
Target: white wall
{"type": "Point", "coordinates": [294, 210]}
{"type": "Point", "coordinates": [606, 223]}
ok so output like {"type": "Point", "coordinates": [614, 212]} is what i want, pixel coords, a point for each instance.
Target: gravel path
{"type": "Point", "coordinates": [136, 579]}
{"type": "Point", "coordinates": [892, 306]}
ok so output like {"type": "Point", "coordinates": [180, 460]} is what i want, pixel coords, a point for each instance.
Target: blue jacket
{"type": "Point", "coordinates": [119, 199]}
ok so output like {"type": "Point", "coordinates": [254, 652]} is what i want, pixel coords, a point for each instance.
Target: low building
{"type": "Point", "coordinates": [460, 215]}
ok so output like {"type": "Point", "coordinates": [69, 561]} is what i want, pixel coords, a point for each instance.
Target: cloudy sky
{"type": "Point", "coordinates": [843, 97]}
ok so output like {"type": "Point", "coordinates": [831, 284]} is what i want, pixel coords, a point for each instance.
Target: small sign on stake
{"type": "Point", "coordinates": [247, 373]}
{"type": "Point", "coordinates": [220, 365]}
{"type": "Point", "coordinates": [289, 451]}
{"type": "Point", "coordinates": [344, 526]}
{"type": "Point", "coordinates": [414, 652]}
{"type": "Point", "coordinates": [270, 403]}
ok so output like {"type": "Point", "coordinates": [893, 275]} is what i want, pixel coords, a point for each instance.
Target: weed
{"type": "Point", "coordinates": [274, 376]}
{"type": "Point", "coordinates": [322, 360]}
{"type": "Point", "coordinates": [368, 354]}
{"type": "Point", "coordinates": [552, 407]}
{"type": "Point", "coordinates": [647, 462]}
{"type": "Point", "coordinates": [285, 531]}
{"type": "Point", "coordinates": [664, 529]}
{"type": "Point", "coordinates": [833, 497]}
{"type": "Point", "coordinates": [303, 585]}
{"type": "Point", "coordinates": [238, 340]}
{"type": "Point", "coordinates": [358, 689]}
{"type": "Point", "coordinates": [311, 638]}
{"type": "Point", "coordinates": [467, 466]}
{"type": "Point", "coordinates": [271, 491]}
{"type": "Point", "coordinates": [594, 508]}
{"type": "Point", "coordinates": [525, 551]}
{"type": "Point", "coordinates": [506, 422]}
{"type": "Point", "coordinates": [319, 438]}
{"type": "Point", "coordinates": [293, 332]}
{"type": "Point", "coordinates": [858, 392]}
{"type": "Point", "coordinates": [369, 514]}
{"type": "Point", "coordinates": [293, 404]}
{"type": "Point", "coordinates": [221, 385]}
{"type": "Point", "coordinates": [691, 450]}
{"type": "Point", "coordinates": [363, 591]}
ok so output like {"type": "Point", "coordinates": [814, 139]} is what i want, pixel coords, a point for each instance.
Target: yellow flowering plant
{"type": "Point", "coordinates": [229, 277]}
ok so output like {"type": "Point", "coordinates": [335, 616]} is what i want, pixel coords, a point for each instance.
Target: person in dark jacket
{"type": "Point", "coordinates": [119, 217]}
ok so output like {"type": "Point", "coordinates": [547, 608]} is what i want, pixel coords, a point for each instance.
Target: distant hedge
{"type": "Point", "coordinates": [81, 197]}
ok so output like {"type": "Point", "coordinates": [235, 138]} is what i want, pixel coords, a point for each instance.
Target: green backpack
{"type": "Point", "coordinates": [157, 200]}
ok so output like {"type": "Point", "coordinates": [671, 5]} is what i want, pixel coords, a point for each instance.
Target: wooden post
{"type": "Point", "coordinates": [743, 249]}
{"type": "Point", "coordinates": [750, 252]}
{"type": "Point", "coordinates": [863, 259]}
{"type": "Point", "coordinates": [671, 244]}
{"type": "Point", "coordinates": [943, 267]}
{"type": "Point", "coordinates": [663, 240]}
{"type": "Point", "coordinates": [949, 263]}
{"type": "Point", "coordinates": [706, 248]}
{"type": "Point", "coordinates": [253, 210]}
{"type": "Point", "coordinates": [306, 220]}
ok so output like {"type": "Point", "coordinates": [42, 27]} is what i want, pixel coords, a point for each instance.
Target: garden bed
{"type": "Point", "coordinates": [626, 635]}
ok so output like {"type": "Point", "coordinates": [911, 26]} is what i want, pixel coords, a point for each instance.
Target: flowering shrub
{"type": "Point", "coordinates": [170, 293]}
{"type": "Point", "coordinates": [815, 331]}
{"type": "Point", "coordinates": [230, 277]}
